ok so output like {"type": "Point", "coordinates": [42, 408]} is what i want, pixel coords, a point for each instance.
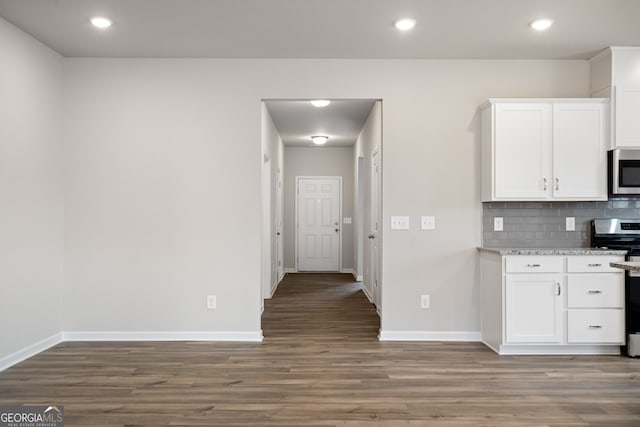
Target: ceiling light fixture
{"type": "Point", "coordinates": [405, 24]}
{"type": "Point", "coordinates": [101, 22]}
{"type": "Point", "coordinates": [319, 139]}
{"type": "Point", "coordinates": [541, 24]}
{"type": "Point", "coordinates": [320, 103]}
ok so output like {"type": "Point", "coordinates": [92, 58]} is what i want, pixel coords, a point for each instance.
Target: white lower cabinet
{"type": "Point", "coordinates": [533, 308]}
{"type": "Point", "coordinates": [570, 304]}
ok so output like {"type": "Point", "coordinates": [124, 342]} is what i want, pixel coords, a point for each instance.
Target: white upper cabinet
{"type": "Point", "coordinates": [615, 72]}
{"type": "Point", "coordinates": [522, 150]}
{"type": "Point", "coordinates": [626, 109]}
{"type": "Point", "coordinates": [550, 149]}
{"type": "Point", "coordinates": [579, 151]}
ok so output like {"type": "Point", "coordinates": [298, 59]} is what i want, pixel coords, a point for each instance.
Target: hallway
{"type": "Point", "coordinates": [327, 307]}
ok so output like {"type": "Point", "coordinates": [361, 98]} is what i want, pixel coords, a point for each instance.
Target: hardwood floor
{"type": "Point", "coordinates": [322, 365]}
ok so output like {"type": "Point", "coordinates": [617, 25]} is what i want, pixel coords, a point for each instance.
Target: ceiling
{"type": "Point", "coordinates": [296, 121]}
{"type": "Point", "coordinates": [358, 29]}
{"type": "Point", "coordinates": [327, 28]}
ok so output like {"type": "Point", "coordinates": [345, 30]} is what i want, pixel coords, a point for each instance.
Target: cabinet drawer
{"type": "Point", "coordinates": [592, 264]}
{"type": "Point", "coordinates": [534, 264]}
{"type": "Point", "coordinates": [595, 290]}
{"type": "Point", "coordinates": [595, 326]}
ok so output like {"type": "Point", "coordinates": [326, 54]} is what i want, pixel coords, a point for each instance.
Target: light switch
{"type": "Point", "coordinates": [347, 220]}
{"type": "Point", "coordinates": [428, 222]}
{"type": "Point", "coordinates": [497, 223]}
{"type": "Point", "coordinates": [399, 222]}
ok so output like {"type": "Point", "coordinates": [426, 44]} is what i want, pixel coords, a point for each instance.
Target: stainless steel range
{"type": "Point", "coordinates": [624, 234]}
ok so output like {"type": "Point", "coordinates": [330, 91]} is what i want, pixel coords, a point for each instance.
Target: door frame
{"type": "Point", "coordinates": [279, 226]}
{"type": "Point", "coordinates": [375, 262]}
{"type": "Point", "coordinates": [296, 204]}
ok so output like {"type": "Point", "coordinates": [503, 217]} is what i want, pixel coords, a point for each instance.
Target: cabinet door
{"type": "Point", "coordinates": [522, 151]}
{"type": "Point", "coordinates": [579, 151]}
{"type": "Point", "coordinates": [533, 308]}
{"type": "Point", "coordinates": [627, 116]}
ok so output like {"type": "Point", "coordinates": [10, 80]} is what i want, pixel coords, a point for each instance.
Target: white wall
{"type": "Point", "coordinates": [370, 139]}
{"type": "Point", "coordinates": [30, 195]}
{"type": "Point", "coordinates": [163, 162]}
{"type": "Point", "coordinates": [318, 161]}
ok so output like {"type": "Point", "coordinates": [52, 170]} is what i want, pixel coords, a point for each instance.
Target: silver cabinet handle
{"type": "Point", "coordinates": [533, 265]}
{"type": "Point", "coordinates": [594, 292]}
{"type": "Point", "coordinates": [557, 184]}
{"type": "Point", "coordinates": [595, 326]}
{"type": "Point", "coordinates": [594, 265]}
{"type": "Point", "coordinates": [558, 288]}
{"type": "Point", "coordinates": [544, 183]}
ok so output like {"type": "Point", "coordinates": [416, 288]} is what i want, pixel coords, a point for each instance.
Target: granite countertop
{"type": "Point", "coordinates": [554, 251]}
{"type": "Point", "coordinates": [626, 265]}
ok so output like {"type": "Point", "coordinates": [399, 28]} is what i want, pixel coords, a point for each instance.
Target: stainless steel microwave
{"type": "Point", "coordinates": [624, 172]}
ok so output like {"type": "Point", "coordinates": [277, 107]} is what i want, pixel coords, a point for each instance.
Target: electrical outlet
{"type": "Point", "coordinates": [570, 223]}
{"type": "Point", "coordinates": [498, 225]}
{"type": "Point", "coordinates": [212, 302]}
{"type": "Point", "coordinates": [425, 301]}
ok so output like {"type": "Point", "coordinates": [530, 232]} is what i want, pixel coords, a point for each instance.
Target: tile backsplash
{"type": "Point", "coordinates": [542, 224]}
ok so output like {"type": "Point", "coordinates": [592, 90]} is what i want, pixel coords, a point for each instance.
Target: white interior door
{"type": "Point", "coordinates": [374, 236]}
{"type": "Point", "coordinates": [279, 229]}
{"type": "Point", "coordinates": [318, 223]}
{"type": "Point", "coordinates": [266, 229]}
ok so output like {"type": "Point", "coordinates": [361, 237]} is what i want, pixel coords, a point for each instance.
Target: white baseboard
{"type": "Point", "coordinates": [353, 273]}
{"type": "Point", "coordinates": [466, 336]}
{"type": "Point", "coordinates": [367, 294]}
{"type": "Point", "coordinates": [290, 270]}
{"type": "Point", "coordinates": [574, 349]}
{"type": "Point", "coordinates": [29, 351]}
{"type": "Point", "coordinates": [248, 336]}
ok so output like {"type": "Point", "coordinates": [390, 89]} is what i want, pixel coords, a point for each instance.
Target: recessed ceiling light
{"type": "Point", "coordinates": [319, 139]}
{"type": "Point", "coordinates": [101, 22]}
{"type": "Point", "coordinates": [320, 103]}
{"type": "Point", "coordinates": [541, 24]}
{"type": "Point", "coordinates": [405, 24]}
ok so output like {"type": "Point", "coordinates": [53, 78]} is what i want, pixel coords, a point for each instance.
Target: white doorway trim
{"type": "Point", "coordinates": [338, 219]}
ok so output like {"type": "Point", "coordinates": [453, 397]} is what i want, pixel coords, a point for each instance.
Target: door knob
{"type": "Point", "coordinates": [278, 233]}
{"type": "Point", "coordinates": [371, 236]}
{"type": "Point", "coordinates": [337, 230]}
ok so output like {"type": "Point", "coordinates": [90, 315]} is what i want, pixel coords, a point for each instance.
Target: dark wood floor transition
{"type": "Point", "coordinates": [322, 365]}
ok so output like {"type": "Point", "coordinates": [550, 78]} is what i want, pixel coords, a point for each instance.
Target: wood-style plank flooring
{"type": "Point", "coordinates": [322, 365]}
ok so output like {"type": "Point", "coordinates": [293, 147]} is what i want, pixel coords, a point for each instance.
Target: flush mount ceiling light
{"type": "Point", "coordinates": [319, 139]}
{"type": "Point", "coordinates": [320, 103]}
{"type": "Point", "coordinates": [101, 22]}
{"type": "Point", "coordinates": [541, 24]}
{"type": "Point", "coordinates": [405, 24]}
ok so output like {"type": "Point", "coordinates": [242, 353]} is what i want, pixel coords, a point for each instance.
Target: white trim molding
{"type": "Point", "coordinates": [465, 336]}
{"type": "Point", "coordinates": [30, 351]}
{"type": "Point", "coordinates": [248, 336]}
